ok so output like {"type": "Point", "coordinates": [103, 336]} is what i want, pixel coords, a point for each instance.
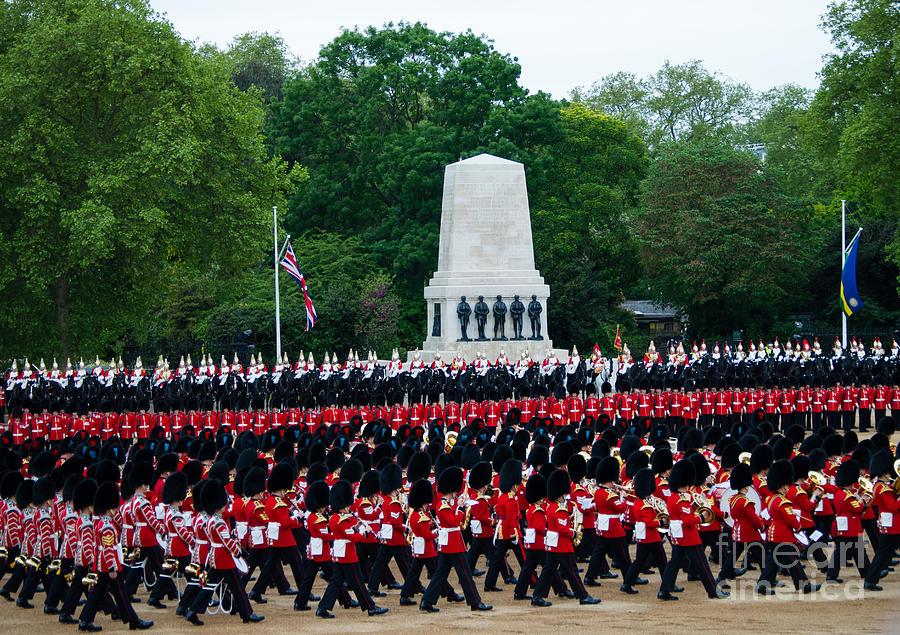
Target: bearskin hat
{"type": "Point", "coordinates": [480, 475]}
{"type": "Point", "coordinates": [341, 495]}
{"type": "Point", "coordinates": [741, 476]}
{"type": "Point", "coordinates": [44, 489]}
{"type": "Point", "coordinates": [761, 458]}
{"type": "Point", "coordinates": [213, 497]}
{"type": "Point", "coordinates": [391, 479]}
{"type": "Point", "coordinates": [174, 488]}
{"type": "Point", "coordinates": [701, 468]}
{"type": "Point", "coordinates": [510, 475]}
{"type": "Point", "coordinates": [847, 474]}
{"type": "Point", "coordinates": [83, 496]}
{"type": "Point", "coordinates": [106, 498]}
{"type": "Point", "coordinates": [281, 478]}
{"type": "Point", "coordinates": [577, 467]}
{"type": "Point", "coordinates": [636, 461]}
{"type": "Point", "coordinates": [833, 445]}
{"type": "Point", "coordinates": [352, 471]}
{"type": "Point", "coordinates": [42, 464]}
{"type": "Point", "coordinates": [419, 467]}
{"type": "Point", "coordinates": [450, 480]}
{"type": "Point", "coordinates": [682, 475]}
{"type": "Point", "coordinates": [882, 464]}
{"type": "Point", "coordinates": [470, 456]}
{"type": "Point", "coordinates": [535, 488]}
{"type": "Point", "coordinates": [558, 485]}
{"type": "Point", "coordinates": [800, 463]}
{"type": "Point", "coordinates": [539, 456]}
{"type": "Point", "coordinates": [141, 474]}
{"type": "Point", "coordinates": [662, 460]}
{"type": "Point", "coordinates": [561, 453]}
{"type": "Point", "coordinates": [781, 473]}
{"type": "Point", "coordinates": [607, 470]}
{"type": "Point", "coordinates": [369, 484]}
{"type": "Point", "coordinates": [421, 494]}
{"type": "Point", "coordinates": [316, 497]}
{"type": "Point", "coordinates": [168, 462]}
{"type": "Point", "coordinates": [644, 483]}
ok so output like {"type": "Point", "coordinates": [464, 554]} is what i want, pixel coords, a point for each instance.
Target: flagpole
{"type": "Point", "coordinates": [843, 259]}
{"type": "Point", "coordinates": [277, 298]}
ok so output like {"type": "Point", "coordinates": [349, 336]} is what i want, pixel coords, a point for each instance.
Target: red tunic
{"type": "Point", "coordinates": [449, 519]}
{"type": "Point", "coordinates": [784, 522]}
{"type": "Point", "coordinates": [559, 527]}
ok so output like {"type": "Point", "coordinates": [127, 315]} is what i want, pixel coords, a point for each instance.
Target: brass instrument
{"type": "Point", "coordinates": [647, 449]}
{"type": "Point", "coordinates": [466, 518]}
{"type": "Point", "coordinates": [90, 579]}
{"type": "Point", "coordinates": [662, 511]}
{"type": "Point", "coordinates": [744, 457]}
{"type": "Point", "coordinates": [169, 566]}
{"type": "Point", "coordinates": [54, 566]}
{"type": "Point", "coordinates": [817, 478]}
{"type": "Point", "coordinates": [866, 490]}
{"type": "Point", "coordinates": [896, 484]}
{"type": "Point", "coordinates": [704, 507]}
{"type": "Point", "coordinates": [450, 440]}
{"type": "Point", "coordinates": [490, 492]}
{"type": "Point", "coordinates": [576, 528]}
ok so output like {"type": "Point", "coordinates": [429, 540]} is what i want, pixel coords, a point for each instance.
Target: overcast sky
{"type": "Point", "coordinates": [560, 44]}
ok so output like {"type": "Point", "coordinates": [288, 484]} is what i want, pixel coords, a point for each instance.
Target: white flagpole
{"type": "Point", "coordinates": [277, 299]}
{"type": "Point", "coordinates": [843, 259]}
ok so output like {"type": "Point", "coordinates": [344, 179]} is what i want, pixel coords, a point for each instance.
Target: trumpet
{"type": "Point", "coordinates": [465, 521]}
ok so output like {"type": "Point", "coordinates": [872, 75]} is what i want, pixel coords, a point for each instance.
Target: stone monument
{"type": "Point", "coordinates": [486, 250]}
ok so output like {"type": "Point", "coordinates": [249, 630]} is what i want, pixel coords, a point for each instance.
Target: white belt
{"type": "Point", "coordinates": [140, 524]}
{"type": "Point", "coordinates": [215, 545]}
{"type": "Point", "coordinates": [200, 542]}
{"type": "Point", "coordinates": [450, 528]}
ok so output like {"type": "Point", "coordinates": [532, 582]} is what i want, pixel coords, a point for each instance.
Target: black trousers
{"type": "Point", "coordinates": [782, 556]}
{"type": "Point", "coordinates": [533, 559]}
{"type": "Point", "coordinates": [34, 576]}
{"type": "Point", "coordinates": [309, 577]}
{"type": "Point", "coordinates": [479, 547]}
{"type": "Point", "coordinates": [400, 554]}
{"type": "Point", "coordinates": [694, 556]}
{"type": "Point", "coordinates": [732, 558]}
{"type": "Point", "coordinates": [411, 584]}
{"type": "Point", "coordinates": [848, 418]}
{"type": "Point", "coordinates": [845, 551]}
{"type": "Point", "coordinates": [8, 564]}
{"type": "Point", "coordinates": [232, 581]}
{"type": "Point", "coordinates": [19, 571]}
{"type": "Point", "coordinates": [865, 419]}
{"type": "Point", "coordinates": [119, 595]}
{"type": "Point", "coordinates": [191, 590]}
{"type": "Point", "coordinates": [883, 555]}
{"type": "Point", "coordinates": [460, 563]}
{"type": "Point", "coordinates": [346, 573]}
{"type": "Point", "coordinates": [564, 563]}
{"type": "Point", "coordinates": [165, 583]}
{"type": "Point", "coordinates": [818, 419]}
{"type": "Point", "coordinates": [615, 547]}
{"type": "Point", "coordinates": [58, 585]}
{"type": "Point", "coordinates": [152, 558]}
{"type": "Point", "coordinates": [497, 562]}
{"type": "Point", "coordinates": [870, 526]}
{"type": "Point", "coordinates": [275, 557]}
{"type": "Point", "coordinates": [647, 554]}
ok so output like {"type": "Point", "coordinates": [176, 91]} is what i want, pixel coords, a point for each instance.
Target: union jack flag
{"type": "Point", "coordinates": [289, 262]}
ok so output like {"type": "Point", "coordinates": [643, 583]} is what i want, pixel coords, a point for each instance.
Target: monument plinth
{"type": "Point", "coordinates": [485, 251]}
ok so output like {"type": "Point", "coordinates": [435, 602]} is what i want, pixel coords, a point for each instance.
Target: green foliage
{"type": "Point", "coordinates": [377, 117]}
{"type": "Point", "coordinates": [260, 60]}
{"type": "Point", "coordinates": [681, 102]}
{"type": "Point", "coordinates": [857, 131]}
{"type": "Point", "coordinates": [718, 238]}
{"type": "Point", "coordinates": [125, 156]}
{"type": "Point", "coordinates": [582, 246]}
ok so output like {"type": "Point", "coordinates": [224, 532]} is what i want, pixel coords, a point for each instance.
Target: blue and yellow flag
{"type": "Point", "coordinates": [849, 294]}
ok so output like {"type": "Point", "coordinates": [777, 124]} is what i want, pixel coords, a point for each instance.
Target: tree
{"type": "Point", "coordinates": [126, 158]}
{"type": "Point", "coordinates": [582, 246]}
{"type": "Point", "coordinates": [377, 116]}
{"type": "Point", "coordinates": [681, 102]}
{"type": "Point", "coordinates": [854, 112]}
{"type": "Point", "coordinates": [261, 60]}
{"type": "Point", "coordinates": [719, 239]}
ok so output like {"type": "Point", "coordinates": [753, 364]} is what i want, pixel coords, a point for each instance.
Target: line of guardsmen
{"type": "Point", "coordinates": [196, 518]}
{"type": "Point", "coordinates": [838, 406]}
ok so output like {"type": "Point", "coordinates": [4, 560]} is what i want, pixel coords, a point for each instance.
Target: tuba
{"type": "Point", "coordinates": [744, 457]}
{"type": "Point", "coordinates": [450, 440]}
